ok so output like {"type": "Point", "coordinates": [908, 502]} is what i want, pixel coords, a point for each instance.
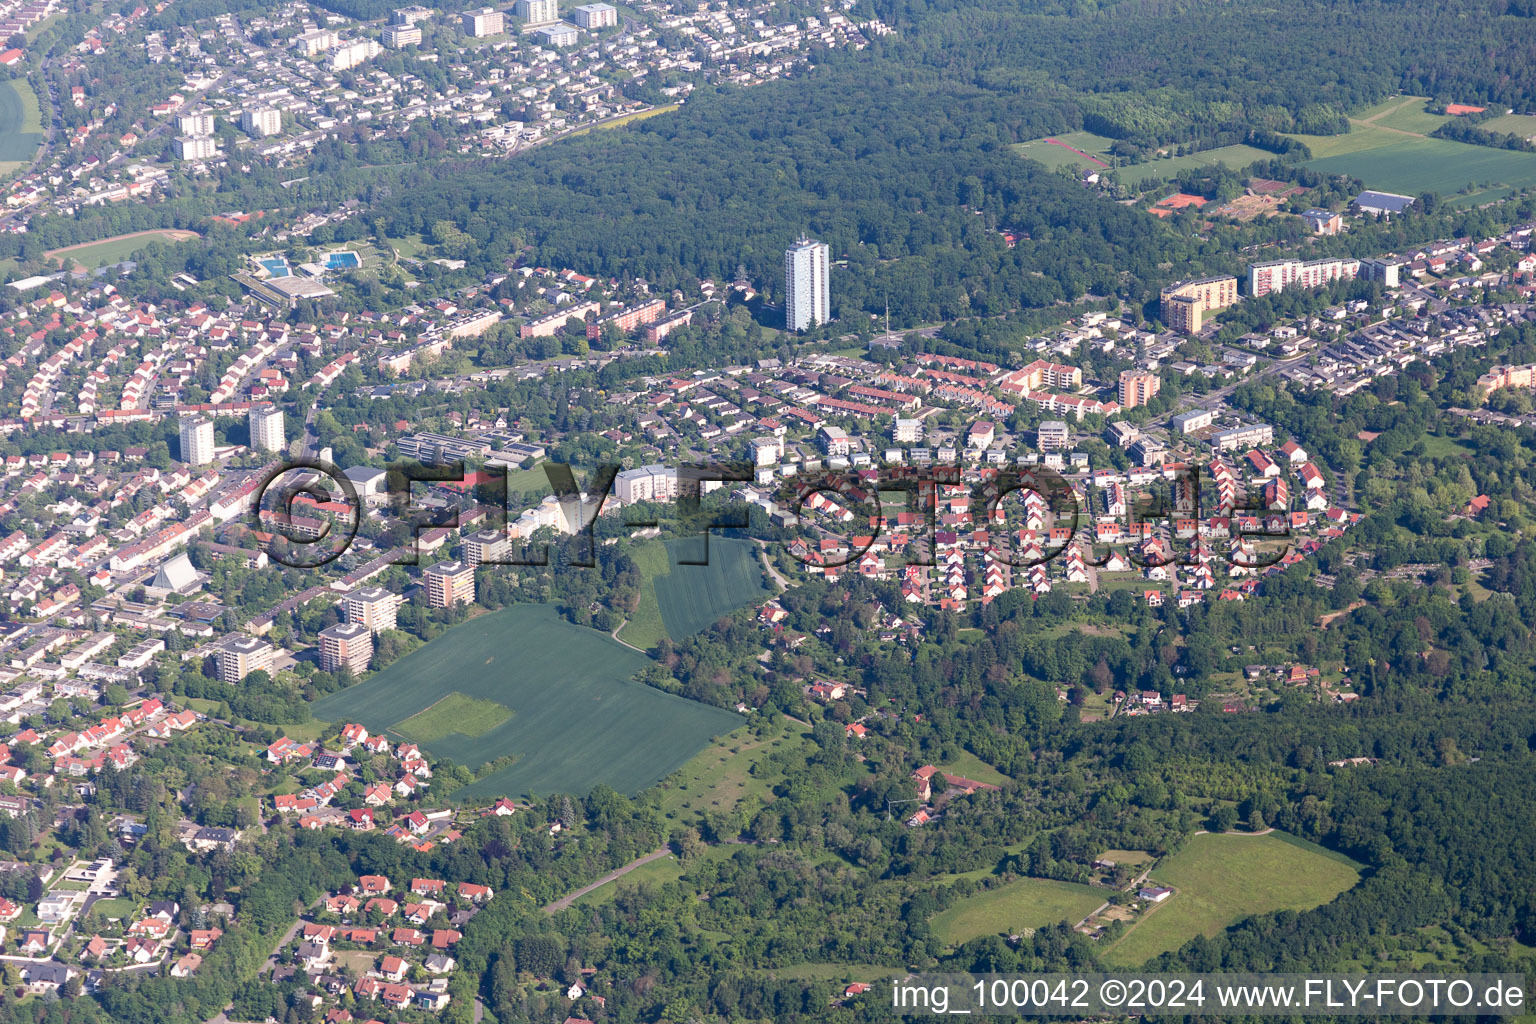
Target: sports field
{"type": "Point", "coordinates": [1011, 908]}
{"type": "Point", "coordinates": [116, 249]}
{"type": "Point", "coordinates": [1221, 879]}
{"type": "Point", "coordinates": [572, 716]}
{"type": "Point", "coordinates": [691, 598]}
{"type": "Point", "coordinates": [21, 125]}
{"type": "Point", "coordinates": [1060, 152]}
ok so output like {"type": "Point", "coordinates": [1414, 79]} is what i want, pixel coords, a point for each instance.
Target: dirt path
{"type": "Point", "coordinates": [565, 901]}
{"type": "Point", "coordinates": [626, 643]}
{"type": "Point", "coordinates": [1385, 128]}
{"type": "Point", "coordinates": [1390, 110]}
{"type": "Point", "coordinates": [1327, 620]}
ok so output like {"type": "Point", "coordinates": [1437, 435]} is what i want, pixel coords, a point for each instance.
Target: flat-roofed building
{"type": "Point", "coordinates": [646, 483]}
{"type": "Point", "coordinates": [485, 22]}
{"type": "Point", "coordinates": [491, 546]}
{"type": "Point", "coordinates": [1052, 435]}
{"type": "Point", "coordinates": [372, 607]}
{"type": "Point", "coordinates": [238, 656]}
{"type": "Point", "coordinates": [595, 16]}
{"type": "Point", "coordinates": [266, 424]}
{"type": "Point", "coordinates": [1185, 304]}
{"type": "Point", "coordinates": [449, 583]}
{"type": "Point", "coordinates": [1138, 387]}
{"type": "Point", "coordinates": [537, 11]}
{"type": "Point", "coordinates": [346, 644]}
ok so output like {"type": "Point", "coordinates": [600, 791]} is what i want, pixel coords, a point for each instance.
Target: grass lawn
{"type": "Point", "coordinates": [1437, 447]}
{"type": "Point", "coordinates": [694, 597]}
{"type": "Point", "coordinates": [972, 767]}
{"type": "Point", "coordinates": [657, 872]}
{"type": "Point", "coordinates": [116, 909]}
{"type": "Point", "coordinates": [645, 628]}
{"type": "Point", "coordinates": [454, 715]}
{"type": "Point", "coordinates": [117, 249]}
{"type": "Point", "coordinates": [412, 246]}
{"type": "Point", "coordinates": [21, 122]}
{"type": "Point", "coordinates": [1221, 879]}
{"type": "Point", "coordinates": [1012, 908]}
{"type": "Point", "coordinates": [1055, 156]}
{"type": "Point", "coordinates": [1405, 113]}
{"type": "Point", "coordinates": [1235, 157]}
{"type": "Point", "coordinates": [532, 482]}
{"type": "Point", "coordinates": [1523, 125]}
{"type": "Point", "coordinates": [1135, 858]}
{"type": "Point", "coordinates": [720, 776]}
{"type": "Point", "coordinates": [578, 717]}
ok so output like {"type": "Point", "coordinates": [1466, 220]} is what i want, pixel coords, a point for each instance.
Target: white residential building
{"type": "Point", "coordinates": [196, 440]}
{"type": "Point", "coordinates": [267, 429]}
{"type": "Point", "coordinates": [806, 292]}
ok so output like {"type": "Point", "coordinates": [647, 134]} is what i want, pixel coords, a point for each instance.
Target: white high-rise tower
{"type": "Point", "coordinates": [267, 429]}
{"type": "Point", "coordinates": [806, 301]}
{"type": "Point", "coordinates": [196, 440]}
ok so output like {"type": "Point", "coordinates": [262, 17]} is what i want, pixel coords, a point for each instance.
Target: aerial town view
{"type": "Point", "coordinates": [688, 512]}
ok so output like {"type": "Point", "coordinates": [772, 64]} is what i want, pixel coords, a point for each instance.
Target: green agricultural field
{"type": "Point", "coordinates": [1056, 156]}
{"type": "Point", "coordinates": [1523, 125]}
{"type": "Point", "coordinates": [21, 124]}
{"type": "Point", "coordinates": [1411, 166]}
{"type": "Point", "coordinates": [1234, 157]}
{"type": "Point", "coordinates": [1221, 879]}
{"type": "Point", "coordinates": [454, 715]}
{"type": "Point", "coordinates": [1011, 908]}
{"type": "Point", "coordinates": [694, 597]}
{"type": "Point", "coordinates": [577, 718]}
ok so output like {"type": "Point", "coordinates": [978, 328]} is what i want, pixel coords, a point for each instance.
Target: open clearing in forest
{"type": "Point", "coordinates": [1221, 879]}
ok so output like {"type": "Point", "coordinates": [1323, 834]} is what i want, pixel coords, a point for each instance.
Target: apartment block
{"type": "Point", "coordinates": [1273, 275]}
{"type": "Point", "coordinates": [1185, 304]}
{"type": "Point", "coordinates": [262, 122]}
{"type": "Point", "coordinates": [238, 656]}
{"type": "Point", "coordinates": [195, 147]}
{"type": "Point", "coordinates": [595, 16]}
{"type": "Point", "coordinates": [346, 644]}
{"type": "Point", "coordinates": [372, 607]}
{"type": "Point", "coordinates": [537, 11]}
{"type": "Point", "coordinates": [1138, 387]}
{"type": "Point", "coordinates": [450, 583]}
{"type": "Point", "coordinates": [397, 36]}
{"type": "Point", "coordinates": [485, 22]}
{"type": "Point", "coordinates": [491, 546]}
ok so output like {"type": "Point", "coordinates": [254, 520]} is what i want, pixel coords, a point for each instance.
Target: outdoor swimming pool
{"type": "Point", "coordinates": [276, 266]}
{"type": "Point", "coordinates": [344, 260]}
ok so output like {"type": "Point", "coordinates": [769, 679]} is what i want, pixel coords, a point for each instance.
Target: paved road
{"type": "Point", "coordinates": [565, 901]}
